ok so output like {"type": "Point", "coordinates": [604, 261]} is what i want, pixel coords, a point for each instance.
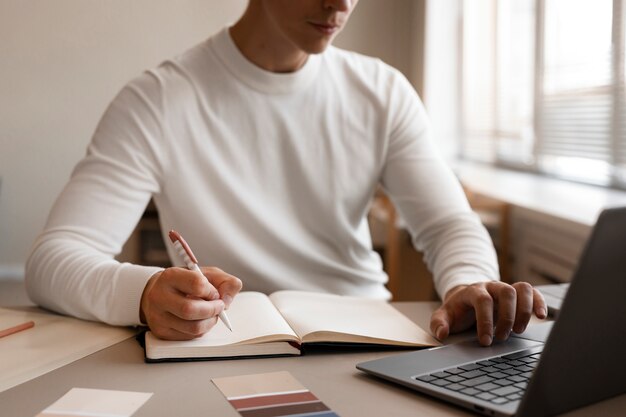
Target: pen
{"type": "Point", "coordinates": [192, 263]}
{"type": "Point", "coordinates": [17, 328]}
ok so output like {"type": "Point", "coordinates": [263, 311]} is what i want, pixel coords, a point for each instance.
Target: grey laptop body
{"type": "Point", "coordinates": [582, 361]}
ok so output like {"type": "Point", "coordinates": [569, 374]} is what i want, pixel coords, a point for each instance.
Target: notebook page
{"type": "Point", "coordinates": [325, 317]}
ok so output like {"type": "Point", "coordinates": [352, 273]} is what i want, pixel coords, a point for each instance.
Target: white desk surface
{"type": "Point", "coordinates": [185, 389]}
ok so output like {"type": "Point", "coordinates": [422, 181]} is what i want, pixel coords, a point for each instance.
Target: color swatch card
{"type": "Point", "coordinates": [82, 402]}
{"type": "Point", "coordinates": [271, 395]}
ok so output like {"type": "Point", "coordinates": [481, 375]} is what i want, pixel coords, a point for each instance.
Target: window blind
{"type": "Point", "coordinates": [576, 102]}
{"type": "Point", "coordinates": [577, 124]}
{"type": "Point", "coordinates": [619, 22]}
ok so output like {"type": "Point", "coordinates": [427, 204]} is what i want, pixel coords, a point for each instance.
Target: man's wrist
{"type": "Point", "coordinates": [149, 285]}
{"type": "Point", "coordinates": [453, 291]}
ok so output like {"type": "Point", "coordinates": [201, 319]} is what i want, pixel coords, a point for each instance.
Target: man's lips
{"type": "Point", "coordinates": [325, 28]}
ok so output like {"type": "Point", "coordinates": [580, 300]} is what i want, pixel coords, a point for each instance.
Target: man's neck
{"type": "Point", "coordinates": [265, 47]}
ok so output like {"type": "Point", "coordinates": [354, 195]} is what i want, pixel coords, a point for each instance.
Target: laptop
{"type": "Point", "coordinates": [581, 362]}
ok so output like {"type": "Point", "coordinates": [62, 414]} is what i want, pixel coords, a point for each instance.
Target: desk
{"type": "Point", "coordinates": [186, 390]}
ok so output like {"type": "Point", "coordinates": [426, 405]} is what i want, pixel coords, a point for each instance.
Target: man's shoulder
{"type": "Point", "coordinates": [177, 76]}
{"type": "Point", "coordinates": [185, 66]}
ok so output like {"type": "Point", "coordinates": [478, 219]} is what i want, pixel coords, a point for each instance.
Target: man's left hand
{"type": "Point", "coordinates": [496, 308]}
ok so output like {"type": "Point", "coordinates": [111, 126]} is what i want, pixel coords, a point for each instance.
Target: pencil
{"type": "Point", "coordinates": [17, 328]}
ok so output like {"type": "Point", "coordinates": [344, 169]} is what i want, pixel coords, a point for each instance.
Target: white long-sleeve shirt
{"type": "Point", "coordinates": [267, 176]}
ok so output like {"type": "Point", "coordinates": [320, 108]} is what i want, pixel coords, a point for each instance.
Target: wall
{"type": "Point", "coordinates": [64, 60]}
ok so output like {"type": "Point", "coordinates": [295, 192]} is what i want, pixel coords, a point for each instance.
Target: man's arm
{"type": "Point", "coordinates": [72, 268]}
{"type": "Point", "coordinates": [457, 248]}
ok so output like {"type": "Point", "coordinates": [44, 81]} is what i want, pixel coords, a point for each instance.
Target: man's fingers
{"type": "Point", "coordinates": [229, 289]}
{"type": "Point", "coordinates": [191, 308]}
{"type": "Point", "coordinates": [524, 306]}
{"type": "Point", "coordinates": [179, 304]}
{"type": "Point", "coordinates": [466, 304]}
{"type": "Point", "coordinates": [539, 304]}
{"type": "Point", "coordinates": [482, 301]}
{"type": "Point", "coordinates": [167, 333]}
{"type": "Point", "coordinates": [227, 285]}
{"type": "Point", "coordinates": [172, 328]}
{"type": "Point", "coordinates": [192, 328]}
{"type": "Point", "coordinates": [505, 297]}
{"type": "Point", "coordinates": [440, 323]}
{"type": "Point", "coordinates": [190, 283]}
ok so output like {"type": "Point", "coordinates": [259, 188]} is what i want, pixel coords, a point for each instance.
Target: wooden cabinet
{"type": "Point", "coordinates": [548, 248]}
{"type": "Point", "coordinates": [146, 246]}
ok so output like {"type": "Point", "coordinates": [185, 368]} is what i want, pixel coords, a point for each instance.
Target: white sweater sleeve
{"type": "Point", "coordinates": [430, 200]}
{"type": "Point", "coordinates": [71, 268]}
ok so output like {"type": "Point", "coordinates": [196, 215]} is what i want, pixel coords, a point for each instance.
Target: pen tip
{"type": "Point", "coordinates": [226, 322]}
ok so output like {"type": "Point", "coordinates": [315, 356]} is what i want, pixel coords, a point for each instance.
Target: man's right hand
{"type": "Point", "coordinates": [179, 304]}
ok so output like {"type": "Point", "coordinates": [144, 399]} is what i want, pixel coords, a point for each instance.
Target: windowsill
{"type": "Point", "coordinates": [574, 203]}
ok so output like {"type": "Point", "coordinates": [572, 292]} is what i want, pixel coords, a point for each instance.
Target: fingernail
{"type": "Point", "coordinates": [214, 295]}
{"type": "Point", "coordinates": [542, 313]}
{"type": "Point", "coordinates": [485, 340]}
{"type": "Point", "coordinates": [439, 332]}
{"type": "Point", "coordinates": [227, 299]}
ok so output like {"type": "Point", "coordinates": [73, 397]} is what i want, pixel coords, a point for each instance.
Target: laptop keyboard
{"type": "Point", "coordinates": [499, 380]}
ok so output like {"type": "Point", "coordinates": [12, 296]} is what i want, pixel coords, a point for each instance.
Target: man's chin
{"type": "Point", "coordinates": [317, 49]}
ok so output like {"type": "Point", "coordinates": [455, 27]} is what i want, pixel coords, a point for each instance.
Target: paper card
{"type": "Point", "coordinates": [83, 402]}
{"type": "Point", "coordinates": [271, 395]}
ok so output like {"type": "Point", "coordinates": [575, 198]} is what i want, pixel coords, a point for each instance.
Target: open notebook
{"type": "Point", "coordinates": [280, 324]}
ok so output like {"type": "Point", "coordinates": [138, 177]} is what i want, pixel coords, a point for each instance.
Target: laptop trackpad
{"type": "Point", "coordinates": [537, 332]}
{"type": "Point", "coordinates": [402, 366]}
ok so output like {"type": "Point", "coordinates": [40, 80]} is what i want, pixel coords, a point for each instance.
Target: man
{"type": "Point", "coordinates": [263, 147]}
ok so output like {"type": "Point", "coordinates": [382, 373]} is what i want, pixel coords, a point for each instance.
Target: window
{"type": "Point", "coordinates": [543, 86]}
{"type": "Point", "coordinates": [478, 61]}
